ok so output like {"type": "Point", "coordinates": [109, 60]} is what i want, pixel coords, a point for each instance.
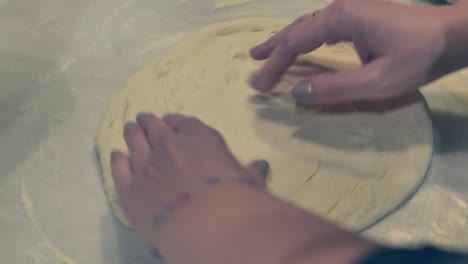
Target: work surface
{"type": "Point", "coordinates": [62, 61]}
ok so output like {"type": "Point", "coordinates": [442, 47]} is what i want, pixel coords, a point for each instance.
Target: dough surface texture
{"type": "Point", "coordinates": [352, 167]}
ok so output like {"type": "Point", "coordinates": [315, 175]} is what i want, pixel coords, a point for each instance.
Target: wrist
{"type": "Point", "coordinates": [244, 225]}
{"type": "Point", "coordinates": [221, 222]}
{"type": "Point", "coordinates": [203, 219]}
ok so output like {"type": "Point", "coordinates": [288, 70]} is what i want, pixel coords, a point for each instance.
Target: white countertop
{"type": "Point", "coordinates": [60, 63]}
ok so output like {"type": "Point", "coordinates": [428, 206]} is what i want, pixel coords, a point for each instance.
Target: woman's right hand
{"type": "Point", "coordinates": [402, 47]}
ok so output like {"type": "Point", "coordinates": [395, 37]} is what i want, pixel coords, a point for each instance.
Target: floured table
{"type": "Point", "coordinates": [61, 63]}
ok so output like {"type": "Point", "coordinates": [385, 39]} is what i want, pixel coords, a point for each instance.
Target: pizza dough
{"type": "Point", "coordinates": [352, 168]}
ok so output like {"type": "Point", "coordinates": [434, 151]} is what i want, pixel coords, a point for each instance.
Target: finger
{"type": "Point", "coordinates": [154, 128]}
{"type": "Point", "coordinates": [339, 87]}
{"type": "Point", "coordinates": [264, 50]}
{"type": "Point", "coordinates": [137, 143]}
{"type": "Point", "coordinates": [189, 125]}
{"type": "Point", "coordinates": [315, 13]}
{"type": "Point", "coordinates": [259, 170]}
{"type": "Point", "coordinates": [303, 38]}
{"type": "Point", "coordinates": [363, 54]}
{"type": "Point", "coordinates": [273, 70]}
{"type": "Point", "coordinates": [121, 170]}
{"type": "Point", "coordinates": [173, 119]}
{"type": "Point", "coordinates": [330, 25]}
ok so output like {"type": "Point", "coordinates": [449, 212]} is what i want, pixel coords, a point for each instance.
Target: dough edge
{"type": "Point", "coordinates": [114, 107]}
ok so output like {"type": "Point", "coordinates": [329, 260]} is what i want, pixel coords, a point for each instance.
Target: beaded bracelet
{"type": "Point", "coordinates": [184, 196]}
{"type": "Point", "coordinates": [161, 218]}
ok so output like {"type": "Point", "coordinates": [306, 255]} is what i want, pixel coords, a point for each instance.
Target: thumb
{"type": "Point", "coordinates": [259, 170]}
{"type": "Point", "coordinates": [338, 87]}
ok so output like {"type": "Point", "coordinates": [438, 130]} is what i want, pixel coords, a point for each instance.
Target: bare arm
{"type": "Point", "coordinates": [238, 224]}
{"type": "Point", "coordinates": [230, 222]}
{"type": "Point", "coordinates": [402, 47]}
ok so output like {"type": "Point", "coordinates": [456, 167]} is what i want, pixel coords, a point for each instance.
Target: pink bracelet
{"type": "Point", "coordinates": [161, 218]}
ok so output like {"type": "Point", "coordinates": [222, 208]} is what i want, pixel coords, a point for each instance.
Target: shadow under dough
{"type": "Point", "coordinates": [452, 131]}
{"type": "Point", "coordinates": [331, 125]}
{"type": "Point", "coordinates": [452, 149]}
{"type": "Point", "coordinates": [370, 132]}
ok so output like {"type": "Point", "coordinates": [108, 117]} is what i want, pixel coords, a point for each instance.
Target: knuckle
{"type": "Point", "coordinates": [172, 118]}
{"type": "Point", "coordinates": [341, 7]}
{"type": "Point", "coordinates": [132, 188]}
{"type": "Point", "coordinates": [193, 121]}
{"type": "Point", "coordinates": [131, 133]}
{"type": "Point", "coordinates": [186, 121]}
{"type": "Point", "coordinates": [214, 132]}
{"type": "Point", "coordinates": [300, 19]}
{"type": "Point", "coordinates": [148, 170]}
{"type": "Point", "coordinates": [378, 83]}
{"type": "Point", "coordinates": [150, 118]}
{"type": "Point", "coordinates": [190, 124]}
{"type": "Point", "coordinates": [146, 122]}
{"type": "Point", "coordinates": [211, 133]}
{"type": "Point", "coordinates": [288, 46]}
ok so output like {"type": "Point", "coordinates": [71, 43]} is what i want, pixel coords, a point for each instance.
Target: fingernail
{"type": "Point", "coordinates": [165, 116]}
{"type": "Point", "coordinates": [302, 91]}
{"type": "Point", "coordinates": [264, 167]}
{"type": "Point", "coordinates": [140, 117]}
{"type": "Point", "coordinates": [129, 127]}
{"type": "Point", "coordinates": [115, 155]}
{"type": "Point", "coordinates": [254, 49]}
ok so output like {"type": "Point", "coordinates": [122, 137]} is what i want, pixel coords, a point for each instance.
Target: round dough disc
{"type": "Point", "coordinates": [352, 168]}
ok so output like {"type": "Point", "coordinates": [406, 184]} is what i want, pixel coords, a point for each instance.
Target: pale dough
{"type": "Point", "coordinates": [230, 3]}
{"type": "Point", "coordinates": [351, 168]}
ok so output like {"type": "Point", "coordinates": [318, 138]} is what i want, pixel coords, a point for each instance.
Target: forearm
{"type": "Point", "coordinates": [455, 56]}
{"type": "Point", "coordinates": [237, 224]}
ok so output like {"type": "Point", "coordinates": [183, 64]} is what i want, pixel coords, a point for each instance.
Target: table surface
{"type": "Point", "coordinates": [60, 63]}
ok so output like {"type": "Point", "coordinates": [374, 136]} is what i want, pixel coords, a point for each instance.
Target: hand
{"type": "Point", "coordinates": [227, 223]}
{"type": "Point", "coordinates": [399, 45]}
{"type": "Point", "coordinates": [168, 157]}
